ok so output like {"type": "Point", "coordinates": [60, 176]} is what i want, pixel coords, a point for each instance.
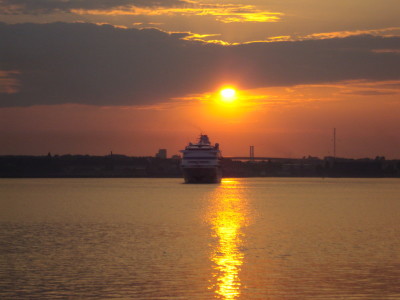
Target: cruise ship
{"type": "Point", "coordinates": [201, 162]}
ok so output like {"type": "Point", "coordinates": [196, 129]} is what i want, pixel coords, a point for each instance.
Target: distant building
{"type": "Point", "coordinates": [162, 153]}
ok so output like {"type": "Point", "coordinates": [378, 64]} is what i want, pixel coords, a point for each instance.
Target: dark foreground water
{"type": "Point", "coordinates": [160, 239]}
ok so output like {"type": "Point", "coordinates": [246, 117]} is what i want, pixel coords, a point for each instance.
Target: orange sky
{"type": "Point", "coordinates": [300, 69]}
{"type": "Point", "coordinates": [284, 122]}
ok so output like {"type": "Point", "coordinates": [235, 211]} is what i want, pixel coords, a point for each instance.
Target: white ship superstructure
{"type": "Point", "coordinates": [201, 162]}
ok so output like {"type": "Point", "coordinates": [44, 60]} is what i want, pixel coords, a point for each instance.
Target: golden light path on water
{"type": "Point", "coordinates": [227, 216]}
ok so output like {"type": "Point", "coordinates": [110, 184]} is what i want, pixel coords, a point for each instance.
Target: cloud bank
{"type": "Point", "coordinates": [44, 64]}
{"type": "Point", "coordinates": [51, 6]}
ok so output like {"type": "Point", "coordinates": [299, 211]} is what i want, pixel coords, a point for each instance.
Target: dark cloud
{"type": "Point", "coordinates": [51, 6]}
{"type": "Point", "coordinates": [370, 93]}
{"type": "Point", "coordinates": [102, 65]}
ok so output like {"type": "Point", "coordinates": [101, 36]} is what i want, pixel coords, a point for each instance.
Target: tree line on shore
{"type": "Point", "coordinates": [121, 166]}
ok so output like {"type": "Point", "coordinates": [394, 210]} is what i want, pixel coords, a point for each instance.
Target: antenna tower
{"type": "Point", "coordinates": [334, 142]}
{"type": "Point", "coordinates": [251, 152]}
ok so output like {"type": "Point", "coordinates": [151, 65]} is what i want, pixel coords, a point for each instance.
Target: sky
{"type": "Point", "coordinates": [134, 76]}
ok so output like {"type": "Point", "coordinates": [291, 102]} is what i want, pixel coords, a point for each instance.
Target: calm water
{"type": "Point", "coordinates": [160, 239]}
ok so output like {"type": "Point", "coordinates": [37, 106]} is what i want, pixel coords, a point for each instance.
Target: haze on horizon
{"type": "Point", "coordinates": [133, 76]}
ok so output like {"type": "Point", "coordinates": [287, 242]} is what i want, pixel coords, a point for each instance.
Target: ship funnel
{"type": "Point", "coordinates": [204, 140]}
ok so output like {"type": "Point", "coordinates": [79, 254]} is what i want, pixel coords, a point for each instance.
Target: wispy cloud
{"type": "Point", "coordinates": [205, 38]}
{"type": "Point", "coordinates": [52, 6]}
{"type": "Point", "coordinates": [8, 82]}
{"type": "Point", "coordinates": [225, 13]}
{"type": "Point", "coordinates": [391, 31]}
{"type": "Point", "coordinates": [368, 88]}
{"type": "Point", "coordinates": [384, 32]}
{"type": "Point", "coordinates": [397, 51]}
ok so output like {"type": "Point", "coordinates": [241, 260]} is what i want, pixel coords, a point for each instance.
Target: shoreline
{"type": "Point", "coordinates": [120, 166]}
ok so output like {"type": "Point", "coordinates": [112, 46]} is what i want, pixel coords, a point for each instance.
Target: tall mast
{"type": "Point", "coordinates": [334, 142]}
{"type": "Point", "coordinates": [251, 153]}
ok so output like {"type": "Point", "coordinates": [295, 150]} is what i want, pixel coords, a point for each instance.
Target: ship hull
{"type": "Point", "coordinates": [202, 175]}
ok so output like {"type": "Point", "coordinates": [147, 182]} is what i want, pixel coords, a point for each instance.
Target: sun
{"type": "Point", "coordinates": [228, 94]}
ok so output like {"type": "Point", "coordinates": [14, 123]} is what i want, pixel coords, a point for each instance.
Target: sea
{"type": "Point", "coordinates": [246, 238]}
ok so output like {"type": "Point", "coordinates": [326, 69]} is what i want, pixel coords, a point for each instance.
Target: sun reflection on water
{"type": "Point", "coordinates": [227, 216]}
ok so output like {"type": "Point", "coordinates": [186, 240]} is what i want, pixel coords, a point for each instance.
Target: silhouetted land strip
{"type": "Point", "coordinates": [121, 166]}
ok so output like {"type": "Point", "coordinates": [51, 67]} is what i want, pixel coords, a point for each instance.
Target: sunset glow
{"type": "Point", "coordinates": [228, 95]}
{"type": "Point", "coordinates": [138, 76]}
{"type": "Point", "coordinates": [228, 217]}
{"type": "Point", "coordinates": [200, 149]}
